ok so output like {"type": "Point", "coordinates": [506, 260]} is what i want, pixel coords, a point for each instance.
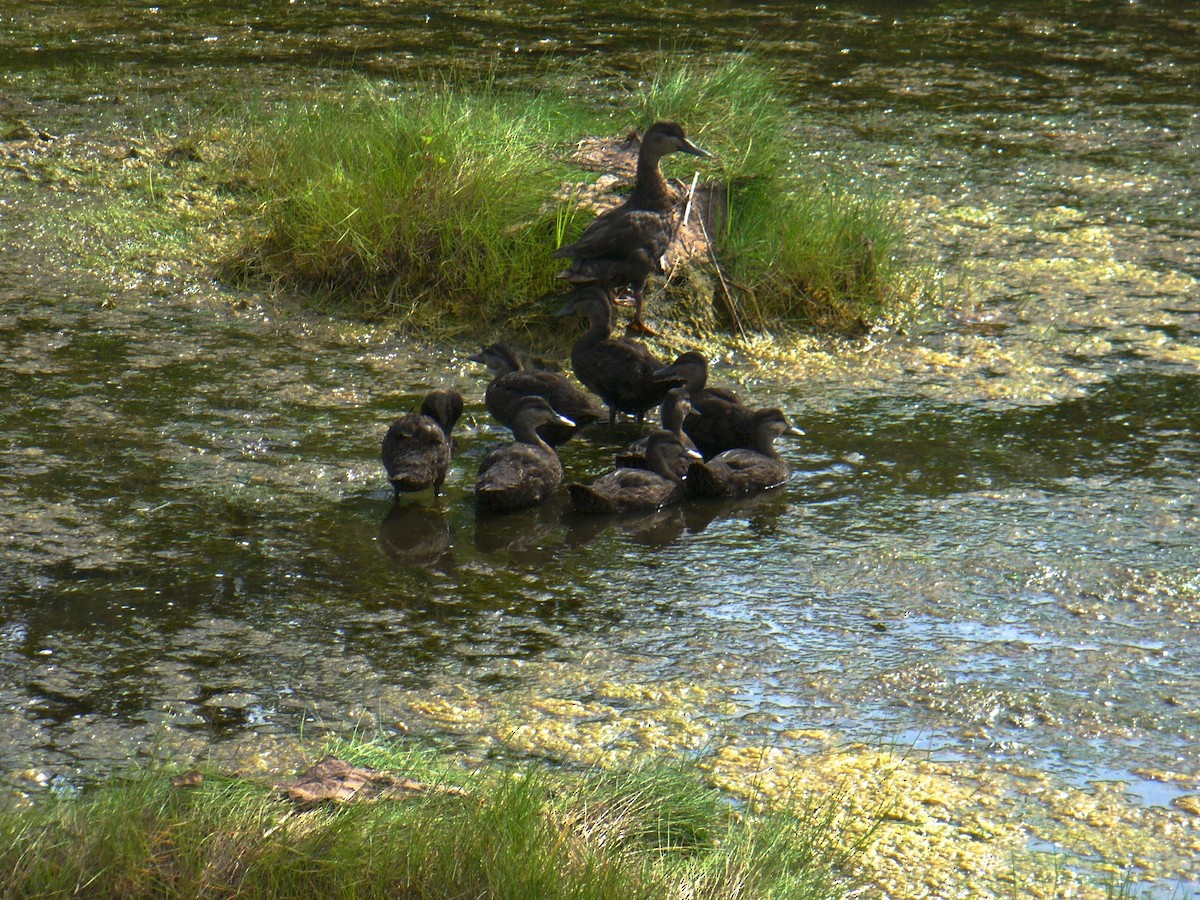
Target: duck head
{"type": "Point", "coordinates": [443, 406]}
{"type": "Point", "coordinates": [662, 138]}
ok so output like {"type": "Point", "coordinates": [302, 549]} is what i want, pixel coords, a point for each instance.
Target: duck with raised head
{"type": "Point", "coordinates": [417, 447]}
{"type": "Point", "coordinates": [742, 471]}
{"type": "Point", "coordinates": [512, 382]}
{"type": "Point", "coordinates": [672, 412]}
{"type": "Point", "coordinates": [527, 471]}
{"type": "Point", "coordinates": [624, 245]}
{"type": "Point", "coordinates": [719, 421]}
{"type": "Point", "coordinates": [630, 490]}
{"type": "Point", "coordinates": [620, 370]}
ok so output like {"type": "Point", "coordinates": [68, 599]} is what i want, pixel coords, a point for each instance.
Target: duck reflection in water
{"type": "Point", "coordinates": [414, 534]}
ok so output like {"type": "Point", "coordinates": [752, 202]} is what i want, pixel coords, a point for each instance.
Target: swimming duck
{"type": "Point", "coordinates": [674, 409]}
{"type": "Point", "coordinates": [526, 471]}
{"type": "Point", "coordinates": [625, 244]}
{"type": "Point", "coordinates": [511, 383]}
{"type": "Point", "coordinates": [630, 490]}
{"type": "Point", "coordinates": [620, 370]}
{"type": "Point", "coordinates": [719, 421]}
{"type": "Point", "coordinates": [417, 447]}
{"type": "Point", "coordinates": [742, 471]}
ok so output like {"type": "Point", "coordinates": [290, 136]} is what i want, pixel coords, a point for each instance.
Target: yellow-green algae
{"type": "Point", "coordinates": [944, 829]}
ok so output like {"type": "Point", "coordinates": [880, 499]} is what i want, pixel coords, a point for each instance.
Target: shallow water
{"type": "Point", "coordinates": [987, 550]}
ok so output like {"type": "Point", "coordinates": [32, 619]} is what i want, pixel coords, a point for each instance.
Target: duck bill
{"type": "Point", "coordinates": [564, 421]}
{"type": "Point", "coordinates": [794, 431]}
{"type": "Point", "coordinates": [667, 373]}
{"type": "Point", "coordinates": [689, 453]}
{"type": "Point", "coordinates": [568, 310]}
{"type": "Point", "coordinates": [689, 147]}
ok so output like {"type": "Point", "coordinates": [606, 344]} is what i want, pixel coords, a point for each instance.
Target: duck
{"type": "Point", "coordinates": [624, 245]}
{"type": "Point", "coordinates": [417, 447]}
{"type": "Point", "coordinates": [630, 490]}
{"type": "Point", "coordinates": [672, 412]}
{"type": "Point", "coordinates": [527, 471]}
{"type": "Point", "coordinates": [512, 382]}
{"type": "Point", "coordinates": [742, 471]}
{"type": "Point", "coordinates": [719, 421]}
{"type": "Point", "coordinates": [620, 370]}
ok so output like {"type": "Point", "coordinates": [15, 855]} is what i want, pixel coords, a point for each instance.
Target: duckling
{"type": "Point", "coordinates": [742, 471]}
{"type": "Point", "coordinates": [625, 244]}
{"type": "Point", "coordinates": [620, 370]}
{"type": "Point", "coordinates": [674, 409]}
{"type": "Point", "coordinates": [526, 471]}
{"type": "Point", "coordinates": [719, 421]}
{"type": "Point", "coordinates": [417, 447]}
{"type": "Point", "coordinates": [511, 383]}
{"type": "Point", "coordinates": [630, 490]}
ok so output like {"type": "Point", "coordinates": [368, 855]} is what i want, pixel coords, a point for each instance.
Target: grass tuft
{"type": "Point", "coordinates": [654, 832]}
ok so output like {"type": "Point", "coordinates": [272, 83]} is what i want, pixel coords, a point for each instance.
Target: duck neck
{"type": "Point", "coordinates": [764, 442]}
{"type": "Point", "coordinates": [650, 190]}
{"type": "Point", "coordinates": [600, 324]}
{"type": "Point", "coordinates": [525, 431]}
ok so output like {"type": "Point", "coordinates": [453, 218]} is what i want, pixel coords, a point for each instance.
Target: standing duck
{"type": "Point", "coordinates": [742, 471]}
{"type": "Point", "coordinates": [620, 370]}
{"type": "Point", "coordinates": [719, 421]}
{"type": "Point", "coordinates": [511, 383]}
{"type": "Point", "coordinates": [672, 412]}
{"type": "Point", "coordinates": [625, 244]}
{"type": "Point", "coordinates": [417, 447]}
{"type": "Point", "coordinates": [526, 471]}
{"type": "Point", "coordinates": [631, 490]}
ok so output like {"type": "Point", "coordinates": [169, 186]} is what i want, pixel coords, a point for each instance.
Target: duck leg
{"type": "Point", "coordinates": [636, 325]}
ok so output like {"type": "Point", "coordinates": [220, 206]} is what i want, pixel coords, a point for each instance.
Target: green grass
{"type": "Point", "coordinates": [442, 205]}
{"type": "Point", "coordinates": [419, 206]}
{"type": "Point", "coordinates": [651, 832]}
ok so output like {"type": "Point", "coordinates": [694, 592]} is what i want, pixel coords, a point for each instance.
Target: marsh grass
{"type": "Point", "coordinates": [654, 832]}
{"type": "Point", "coordinates": [431, 207]}
{"type": "Point", "coordinates": [440, 207]}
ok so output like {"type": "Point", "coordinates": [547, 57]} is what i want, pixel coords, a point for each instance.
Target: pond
{"type": "Point", "coordinates": [988, 548]}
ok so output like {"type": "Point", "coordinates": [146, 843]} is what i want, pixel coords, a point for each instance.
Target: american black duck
{"type": "Point", "coordinates": [719, 421]}
{"type": "Point", "coordinates": [742, 471]}
{"type": "Point", "coordinates": [672, 412]}
{"type": "Point", "coordinates": [629, 490]}
{"type": "Point", "coordinates": [620, 370]}
{"type": "Point", "coordinates": [416, 449]}
{"type": "Point", "coordinates": [526, 471]}
{"type": "Point", "coordinates": [512, 382]}
{"type": "Point", "coordinates": [625, 244]}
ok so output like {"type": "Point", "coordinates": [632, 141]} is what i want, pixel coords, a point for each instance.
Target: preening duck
{"type": "Point", "coordinates": [416, 449]}
{"type": "Point", "coordinates": [625, 245]}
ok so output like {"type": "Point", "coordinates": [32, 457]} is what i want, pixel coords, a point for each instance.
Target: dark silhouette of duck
{"type": "Point", "coordinates": [719, 421]}
{"type": "Point", "coordinates": [629, 490]}
{"type": "Point", "coordinates": [526, 471]}
{"type": "Point", "coordinates": [625, 245]}
{"type": "Point", "coordinates": [511, 383]}
{"type": "Point", "coordinates": [742, 471]}
{"type": "Point", "coordinates": [672, 412]}
{"type": "Point", "coordinates": [416, 449]}
{"type": "Point", "coordinates": [620, 370]}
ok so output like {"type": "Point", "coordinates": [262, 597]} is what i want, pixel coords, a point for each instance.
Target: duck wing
{"type": "Point", "coordinates": [620, 232]}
